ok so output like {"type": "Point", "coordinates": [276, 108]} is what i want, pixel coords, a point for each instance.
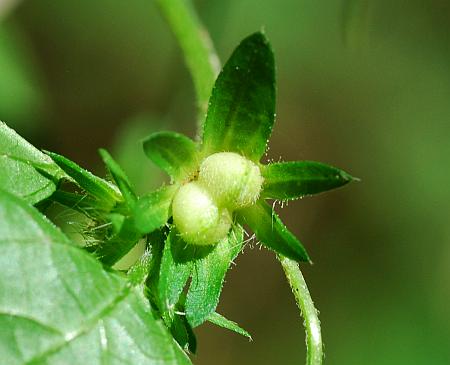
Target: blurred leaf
{"type": "Point", "coordinates": [60, 300]}
{"type": "Point", "coordinates": [174, 153]}
{"type": "Point", "coordinates": [119, 177]}
{"type": "Point", "coordinates": [129, 154]}
{"type": "Point", "coordinates": [355, 21]}
{"type": "Point", "coordinates": [194, 40]}
{"type": "Point", "coordinates": [242, 105]}
{"type": "Point", "coordinates": [152, 211]}
{"type": "Point", "coordinates": [21, 98]}
{"type": "Point", "coordinates": [18, 163]}
{"type": "Point", "coordinates": [292, 180]}
{"type": "Point", "coordinates": [208, 276]}
{"type": "Point", "coordinates": [223, 322]}
{"type": "Point", "coordinates": [272, 233]}
{"type": "Point", "coordinates": [94, 185]}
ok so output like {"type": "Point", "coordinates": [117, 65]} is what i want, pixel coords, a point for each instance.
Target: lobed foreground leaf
{"type": "Point", "coordinates": [58, 305]}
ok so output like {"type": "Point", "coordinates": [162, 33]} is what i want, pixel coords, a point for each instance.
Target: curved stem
{"type": "Point", "coordinates": [308, 311]}
{"type": "Point", "coordinates": [198, 51]}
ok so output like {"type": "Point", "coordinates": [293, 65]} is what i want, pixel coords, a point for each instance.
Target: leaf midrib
{"type": "Point", "coordinates": [86, 328]}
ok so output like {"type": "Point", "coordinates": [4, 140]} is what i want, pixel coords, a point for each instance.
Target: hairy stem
{"type": "Point", "coordinates": [198, 50]}
{"type": "Point", "coordinates": [295, 278]}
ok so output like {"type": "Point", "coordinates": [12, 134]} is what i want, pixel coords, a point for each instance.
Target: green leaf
{"type": "Point", "coordinates": [153, 210]}
{"type": "Point", "coordinates": [223, 322]}
{"type": "Point", "coordinates": [156, 241]}
{"type": "Point", "coordinates": [183, 333]}
{"type": "Point", "coordinates": [119, 177]}
{"type": "Point", "coordinates": [292, 180]}
{"type": "Point", "coordinates": [138, 273]}
{"type": "Point", "coordinates": [174, 153]}
{"type": "Point", "coordinates": [18, 163]}
{"type": "Point", "coordinates": [208, 276]}
{"type": "Point", "coordinates": [242, 105]}
{"type": "Point", "coordinates": [58, 305]}
{"type": "Point", "coordinates": [176, 267]}
{"type": "Point", "coordinates": [272, 233]}
{"type": "Point", "coordinates": [94, 185]}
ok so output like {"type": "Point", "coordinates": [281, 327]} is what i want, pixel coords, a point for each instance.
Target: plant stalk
{"type": "Point", "coordinates": [198, 50]}
{"type": "Point", "coordinates": [314, 346]}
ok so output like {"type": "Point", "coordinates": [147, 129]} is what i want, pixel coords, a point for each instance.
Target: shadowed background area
{"type": "Point", "coordinates": [362, 84]}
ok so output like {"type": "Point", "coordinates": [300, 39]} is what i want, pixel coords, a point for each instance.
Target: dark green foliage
{"type": "Point", "coordinates": [292, 180]}
{"type": "Point", "coordinates": [174, 153]}
{"type": "Point", "coordinates": [272, 232]}
{"type": "Point", "coordinates": [241, 109]}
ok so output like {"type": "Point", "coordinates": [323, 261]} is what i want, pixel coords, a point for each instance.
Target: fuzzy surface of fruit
{"type": "Point", "coordinates": [202, 209]}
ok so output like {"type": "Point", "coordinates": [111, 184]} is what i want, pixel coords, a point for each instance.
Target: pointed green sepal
{"type": "Point", "coordinates": [174, 153]}
{"type": "Point", "coordinates": [292, 180]}
{"type": "Point", "coordinates": [92, 184]}
{"type": "Point", "coordinates": [208, 276]}
{"type": "Point", "coordinates": [119, 177]}
{"type": "Point", "coordinates": [241, 109]}
{"type": "Point", "coordinates": [270, 230]}
{"type": "Point", "coordinates": [221, 321]}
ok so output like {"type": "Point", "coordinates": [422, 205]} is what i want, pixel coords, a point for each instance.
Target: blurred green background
{"type": "Point", "coordinates": [362, 84]}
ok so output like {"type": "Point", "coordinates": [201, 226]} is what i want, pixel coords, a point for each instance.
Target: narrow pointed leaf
{"type": "Point", "coordinates": [18, 163]}
{"type": "Point", "coordinates": [208, 276]}
{"type": "Point", "coordinates": [242, 105]}
{"type": "Point", "coordinates": [174, 153]}
{"type": "Point", "coordinates": [58, 305]}
{"type": "Point", "coordinates": [176, 267]}
{"type": "Point", "coordinates": [119, 177]}
{"type": "Point", "coordinates": [292, 180]}
{"type": "Point", "coordinates": [223, 322]}
{"type": "Point", "coordinates": [92, 184]}
{"type": "Point", "coordinates": [156, 241]}
{"type": "Point", "coordinates": [152, 211]}
{"type": "Point", "coordinates": [272, 233]}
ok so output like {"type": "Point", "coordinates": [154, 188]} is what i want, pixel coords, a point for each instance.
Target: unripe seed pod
{"type": "Point", "coordinates": [198, 219]}
{"type": "Point", "coordinates": [232, 180]}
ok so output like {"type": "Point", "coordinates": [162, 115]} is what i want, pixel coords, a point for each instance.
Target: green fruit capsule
{"type": "Point", "coordinates": [198, 219]}
{"type": "Point", "coordinates": [231, 179]}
